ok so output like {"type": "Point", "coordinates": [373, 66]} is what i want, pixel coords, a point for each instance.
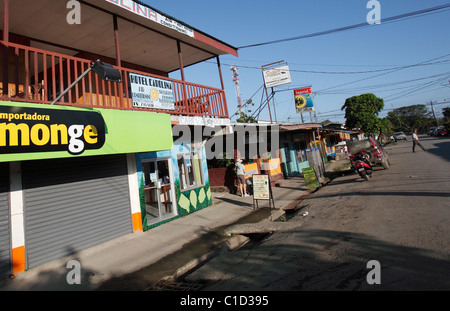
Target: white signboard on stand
{"type": "Point", "coordinates": [277, 76]}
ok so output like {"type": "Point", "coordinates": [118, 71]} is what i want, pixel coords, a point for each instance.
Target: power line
{"type": "Point", "coordinates": [248, 100]}
{"type": "Point", "coordinates": [326, 32]}
{"type": "Point", "coordinates": [349, 72]}
{"type": "Point", "coordinates": [332, 113]}
{"type": "Point", "coordinates": [378, 75]}
{"type": "Point", "coordinates": [383, 85]}
{"type": "Point", "coordinates": [309, 64]}
{"type": "Point", "coordinates": [412, 90]}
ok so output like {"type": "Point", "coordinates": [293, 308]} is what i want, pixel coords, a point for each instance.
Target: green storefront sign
{"type": "Point", "coordinates": [38, 131]}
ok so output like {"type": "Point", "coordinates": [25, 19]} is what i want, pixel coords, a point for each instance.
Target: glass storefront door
{"type": "Point", "coordinates": [159, 189]}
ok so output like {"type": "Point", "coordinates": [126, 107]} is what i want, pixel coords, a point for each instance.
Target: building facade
{"type": "Point", "coordinates": [301, 147]}
{"type": "Point", "coordinates": [83, 158]}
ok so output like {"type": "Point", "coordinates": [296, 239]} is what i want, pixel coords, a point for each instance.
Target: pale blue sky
{"type": "Point", "coordinates": [376, 47]}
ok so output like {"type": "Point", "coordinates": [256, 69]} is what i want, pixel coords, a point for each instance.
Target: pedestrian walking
{"type": "Point", "coordinates": [416, 140]}
{"type": "Point", "coordinates": [240, 172]}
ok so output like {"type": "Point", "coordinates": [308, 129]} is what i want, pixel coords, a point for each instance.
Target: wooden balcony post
{"type": "Point", "coordinates": [222, 95]}
{"type": "Point", "coordinates": [220, 72]}
{"type": "Point", "coordinates": [119, 87]}
{"type": "Point", "coordinates": [180, 59]}
{"type": "Point", "coordinates": [6, 20]}
{"type": "Point", "coordinates": [116, 41]}
{"type": "Point", "coordinates": [5, 77]}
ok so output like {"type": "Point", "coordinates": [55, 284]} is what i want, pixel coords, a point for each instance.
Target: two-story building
{"type": "Point", "coordinates": [86, 157]}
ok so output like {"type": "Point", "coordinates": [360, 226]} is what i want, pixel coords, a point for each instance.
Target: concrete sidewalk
{"type": "Point", "coordinates": [135, 251]}
{"type": "Point", "coordinates": [115, 261]}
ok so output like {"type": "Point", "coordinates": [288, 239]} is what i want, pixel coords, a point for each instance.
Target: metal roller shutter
{"type": "Point", "coordinates": [5, 231]}
{"type": "Point", "coordinates": [73, 204]}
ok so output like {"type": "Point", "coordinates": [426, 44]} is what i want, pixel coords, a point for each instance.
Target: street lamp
{"type": "Point", "coordinates": [105, 71]}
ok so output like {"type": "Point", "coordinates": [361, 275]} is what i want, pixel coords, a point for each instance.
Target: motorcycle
{"type": "Point", "coordinates": [362, 165]}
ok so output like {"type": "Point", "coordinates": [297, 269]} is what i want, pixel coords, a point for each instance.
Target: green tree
{"type": "Point", "coordinates": [446, 112]}
{"type": "Point", "coordinates": [409, 118]}
{"type": "Point", "coordinates": [244, 118]}
{"type": "Point", "coordinates": [362, 112]}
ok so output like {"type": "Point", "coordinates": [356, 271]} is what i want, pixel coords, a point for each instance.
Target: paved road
{"type": "Point", "coordinates": [401, 218]}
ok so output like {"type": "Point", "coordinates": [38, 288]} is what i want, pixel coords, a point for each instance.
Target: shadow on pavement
{"type": "Point", "coordinates": [442, 150]}
{"type": "Point", "coordinates": [308, 262]}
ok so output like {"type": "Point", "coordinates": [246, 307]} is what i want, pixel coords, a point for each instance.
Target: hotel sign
{"type": "Point", "coordinates": [150, 92]}
{"type": "Point", "coordinates": [152, 15]}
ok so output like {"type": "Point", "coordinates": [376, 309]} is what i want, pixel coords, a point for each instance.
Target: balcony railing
{"type": "Point", "coordinates": [38, 76]}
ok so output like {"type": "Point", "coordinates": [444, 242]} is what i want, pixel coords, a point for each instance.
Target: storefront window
{"type": "Point", "coordinates": [158, 189]}
{"type": "Point", "coordinates": [300, 150]}
{"type": "Point", "coordinates": [190, 170]}
{"type": "Point", "coordinates": [197, 168]}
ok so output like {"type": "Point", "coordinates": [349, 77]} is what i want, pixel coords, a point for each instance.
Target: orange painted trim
{"type": "Point", "coordinates": [137, 222]}
{"type": "Point", "coordinates": [215, 43]}
{"type": "Point", "coordinates": [18, 259]}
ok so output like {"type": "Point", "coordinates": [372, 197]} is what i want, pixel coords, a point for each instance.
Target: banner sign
{"type": "Point", "coordinates": [150, 92]}
{"type": "Point", "coordinates": [303, 100]}
{"type": "Point", "coordinates": [211, 122]}
{"type": "Point", "coordinates": [39, 131]}
{"type": "Point", "coordinates": [146, 12]}
{"type": "Point", "coordinates": [250, 170]}
{"type": "Point", "coordinates": [24, 130]}
{"type": "Point", "coordinates": [277, 76]}
{"type": "Point", "coordinates": [310, 177]}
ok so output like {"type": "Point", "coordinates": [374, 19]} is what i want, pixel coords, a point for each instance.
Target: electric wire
{"type": "Point", "coordinates": [247, 101]}
{"type": "Point", "coordinates": [346, 72]}
{"type": "Point", "coordinates": [383, 85]}
{"type": "Point", "coordinates": [410, 15]}
{"type": "Point", "coordinates": [378, 75]}
{"type": "Point", "coordinates": [351, 27]}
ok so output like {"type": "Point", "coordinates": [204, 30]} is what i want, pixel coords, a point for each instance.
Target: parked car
{"type": "Point", "coordinates": [399, 136]}
{"type": "Point", "coordinates": [431, 131]}
{"type": "Point", "coordinates": [373, 151]}
{"type": "Point", "coordinates": [440, 132]}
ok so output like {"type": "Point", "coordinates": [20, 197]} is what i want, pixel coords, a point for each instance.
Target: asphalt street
{"type": "Point", "coordinates": [400, 219]}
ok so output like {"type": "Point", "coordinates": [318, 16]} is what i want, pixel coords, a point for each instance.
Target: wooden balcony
{"type": "Point", "coordinates": [38, 76]}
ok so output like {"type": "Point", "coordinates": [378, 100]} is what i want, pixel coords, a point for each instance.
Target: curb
{"type": "Point", "coordinates": [230, 243]}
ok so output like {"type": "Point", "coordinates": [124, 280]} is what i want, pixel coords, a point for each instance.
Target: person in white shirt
{"type": "Point", "coordinates": [240, 172]}
{"type": "Point", "coordinates": [415, 140]}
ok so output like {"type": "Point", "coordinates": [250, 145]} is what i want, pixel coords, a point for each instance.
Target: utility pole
{"type": "Point", "coordinates": [236, 86]}
{"type": "Point", "coordinates": [274, 109]}
{"type": "Point", "coordinates": [264, 67]}
{"type": "Point", "coordinates": [267, 97]}
{"type": "Point", "coordinates": [432, 110]}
